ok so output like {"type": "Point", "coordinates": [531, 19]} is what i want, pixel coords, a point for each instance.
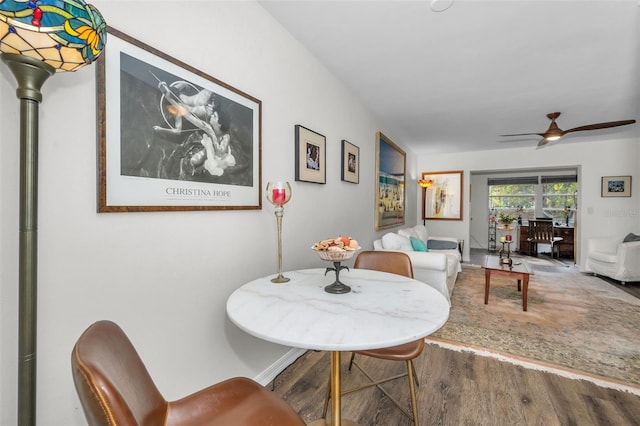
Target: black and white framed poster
{"type": "Point", "coordinates": [172, 137]}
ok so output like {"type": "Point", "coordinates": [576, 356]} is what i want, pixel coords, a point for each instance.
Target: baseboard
{"type": "Point", "coordinates": [266, 376]}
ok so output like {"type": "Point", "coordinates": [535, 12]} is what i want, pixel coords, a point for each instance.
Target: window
{"type": "Point", "coordinates": [515, 196]}
{"type": "Point", "coordinates": [552, 196]}
{"type": "Point", "coordinates": [559, 198]}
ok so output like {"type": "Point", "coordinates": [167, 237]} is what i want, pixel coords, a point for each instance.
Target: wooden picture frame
{"type": "Point", "coordinates": [442, 198]}
{"type": "Point", "coordinates": [172, 137]}
{"type": "Point", "coordinates": [391, 166]}
{"type": "Point", "coordinates": [310, 151]}
{"type": "Point", "coordinates": [615, 186]}
{"type": "Point", "coordinates": [350, 171]}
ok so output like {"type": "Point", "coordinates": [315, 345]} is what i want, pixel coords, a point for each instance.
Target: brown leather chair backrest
{"type": "Point", "coordinates": [114, 386]}
{"type": "Point", "coordinates": [394, 262]}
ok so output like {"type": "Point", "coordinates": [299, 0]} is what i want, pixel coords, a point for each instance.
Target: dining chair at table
{"type": "Point", "coordinates": [115, 388]}
{"type": "Point", "coordinates": [400, 264]}
{"type": "Point", "coordinates": [542, 232]}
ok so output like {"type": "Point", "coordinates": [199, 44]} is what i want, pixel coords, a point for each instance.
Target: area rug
{"type": "Point", "coordinates": [575, 323]}
{"type": "Point", "coordinates": [546, 261]}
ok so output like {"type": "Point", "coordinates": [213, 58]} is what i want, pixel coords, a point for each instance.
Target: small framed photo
{"type": "Point", "coordinates": [311, 164]}
{"type": "Point", "coordinates": [350, 162]}
{"type": "Point", "coordinates": [616, 186]}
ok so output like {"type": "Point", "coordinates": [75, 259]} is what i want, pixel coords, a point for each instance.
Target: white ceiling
{"type": "Point", "coordinates": [454, 80]}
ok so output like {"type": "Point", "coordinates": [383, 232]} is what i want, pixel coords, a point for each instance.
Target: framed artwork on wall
{"type": "Point", "coordinates": [311, 163]}
{"type": "Point", "coordinates": [172, 137]}
{"type": "Point", "coordinates": [391, 165]}
{"type": "Point", "coordinates": [442, 195]}
{"type": "Point", "coordinates": [616, 186]}
{"type": "Point", "coordinates": [350, 162]}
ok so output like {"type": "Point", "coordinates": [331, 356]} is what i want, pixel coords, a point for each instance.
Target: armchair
{"type": "Point", "coordinates": [115, 388]}
{"type": "Point", "coordinates": [395, 263]}
{"type": "Point", "coordinates": [614, 257]}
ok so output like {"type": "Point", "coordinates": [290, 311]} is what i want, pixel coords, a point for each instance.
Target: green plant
{"type": "Point", "coordinates": [506, 218]}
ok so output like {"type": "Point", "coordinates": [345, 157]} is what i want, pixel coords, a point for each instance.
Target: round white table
{"type": "Point", "coordinates": [381, 310]}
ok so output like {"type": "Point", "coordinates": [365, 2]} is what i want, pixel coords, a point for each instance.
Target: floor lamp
{"type": "Point", "coordinates": [425, 184]}
{"type": "Point", "coordinates": [37, 39]}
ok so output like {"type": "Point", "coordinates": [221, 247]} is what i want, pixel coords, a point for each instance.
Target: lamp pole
{"type": "Point", "coordinates": [30, 74]}
{"type": "Point", "coordinates": [38, 39]}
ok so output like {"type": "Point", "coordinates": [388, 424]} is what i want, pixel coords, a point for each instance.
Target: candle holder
{"type": "Point", "coordinates": [278, 194]}
{"type": "Point", "coordinates": [505, 253]}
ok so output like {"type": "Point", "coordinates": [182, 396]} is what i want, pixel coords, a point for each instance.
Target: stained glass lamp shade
{"type": "Point", "coordinates": [64, 34]}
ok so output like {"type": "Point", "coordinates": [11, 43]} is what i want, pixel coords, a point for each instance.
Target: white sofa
{"type": "Point", "coordinates": [615, 257]}
{"type": "Point", "coordinates": [438, 266]}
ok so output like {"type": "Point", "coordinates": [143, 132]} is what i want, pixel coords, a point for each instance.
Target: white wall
{"type": "Point", "coordinates": [597, 216]}
{"type": "Point", "coordinates": [165, 277]}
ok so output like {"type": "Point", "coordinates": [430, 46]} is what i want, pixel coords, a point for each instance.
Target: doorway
{"type": "Point", "coordinates": [525, 194]}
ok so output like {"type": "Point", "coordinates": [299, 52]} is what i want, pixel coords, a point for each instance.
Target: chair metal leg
{"type": "Point", "coordinates": [413, 382]}
{"type": "Point", "coordinates": [415, 376]}
{"type": "Point", "coordinates": [353, 355]}
{"type": "Point", "coordinates": [412, 377]}
{"type": "Point", "coordinates": [327, 397]}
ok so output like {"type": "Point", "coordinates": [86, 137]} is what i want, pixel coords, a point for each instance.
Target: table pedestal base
{"type": "Point", "coordinates": [336, 410]}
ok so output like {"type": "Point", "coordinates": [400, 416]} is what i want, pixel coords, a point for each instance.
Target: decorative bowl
{"type": "Point", "coordinates": [336, 256]}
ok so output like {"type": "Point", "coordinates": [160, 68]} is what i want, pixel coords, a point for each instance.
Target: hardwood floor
{"type": "Point", "coordinates": [459, 388]}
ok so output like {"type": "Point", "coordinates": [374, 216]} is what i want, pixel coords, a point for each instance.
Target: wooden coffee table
{"type": "Point", "coordinates": [519, 269]}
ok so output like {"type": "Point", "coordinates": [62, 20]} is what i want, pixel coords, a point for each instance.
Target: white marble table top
{"type": "Point", "coordinates": [381, 310]}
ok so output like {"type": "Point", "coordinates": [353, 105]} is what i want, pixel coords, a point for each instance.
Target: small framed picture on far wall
{"type": "Point", "coordinates": [310, 148]}
{"type": "Point", "coordinates": [350, 162]}
{"type": "Point", "coordinates": [616, 186]}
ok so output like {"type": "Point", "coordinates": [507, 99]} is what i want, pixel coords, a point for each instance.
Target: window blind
{"type": "Point", "coordinates": [522, 180]}
{"type": "Point", "coordinates": [559, 179]}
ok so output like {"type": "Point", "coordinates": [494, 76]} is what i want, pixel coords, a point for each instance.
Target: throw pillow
{"type": "Point", "coordinates": [442, 245]}
{"type": "Point", "coordinates": [631, 237]}
{"type": "Point", "coordinates": [418, 231]}
{"type": "Point", "coordinates": [421, 232]}
{"type": "Point", "coordinates": [391, 241]}
{"type": "Point", "coordinates": [408, 232]}
{"type": "Point", "coordinates": [417, 244]}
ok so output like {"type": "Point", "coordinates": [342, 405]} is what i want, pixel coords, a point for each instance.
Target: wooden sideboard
{"type": "Point", "coordinates": [566, 246]}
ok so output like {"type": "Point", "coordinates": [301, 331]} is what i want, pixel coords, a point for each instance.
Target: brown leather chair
{"type": "Point", "coordinates": [115, 388]}
{"type": "Point", "coordinates": [400, 264]}
{"type": "Point", "coordinates": [541, 232]}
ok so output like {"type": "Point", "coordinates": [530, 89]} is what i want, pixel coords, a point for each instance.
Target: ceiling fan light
{"type": "Point", "coordinates": [552, 137]}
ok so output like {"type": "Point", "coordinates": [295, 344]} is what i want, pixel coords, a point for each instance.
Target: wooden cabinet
{"type": "Point", "coordinates": [565, 246]}
{"type": "Point", "coordinates": [524, 246]}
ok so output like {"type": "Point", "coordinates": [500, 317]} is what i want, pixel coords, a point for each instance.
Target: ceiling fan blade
{"type": "Point", "coordinates": [543, 142]}
{"type": "Point", "coordinates": [597, 126]}
{"type": "Point", "coordinates": [554, 132]}
{"type": "Point", "coordinates": [525, 134]}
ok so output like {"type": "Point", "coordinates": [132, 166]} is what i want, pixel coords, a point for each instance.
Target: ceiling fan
{"type": "Point", "coordinates": [554, 132]}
